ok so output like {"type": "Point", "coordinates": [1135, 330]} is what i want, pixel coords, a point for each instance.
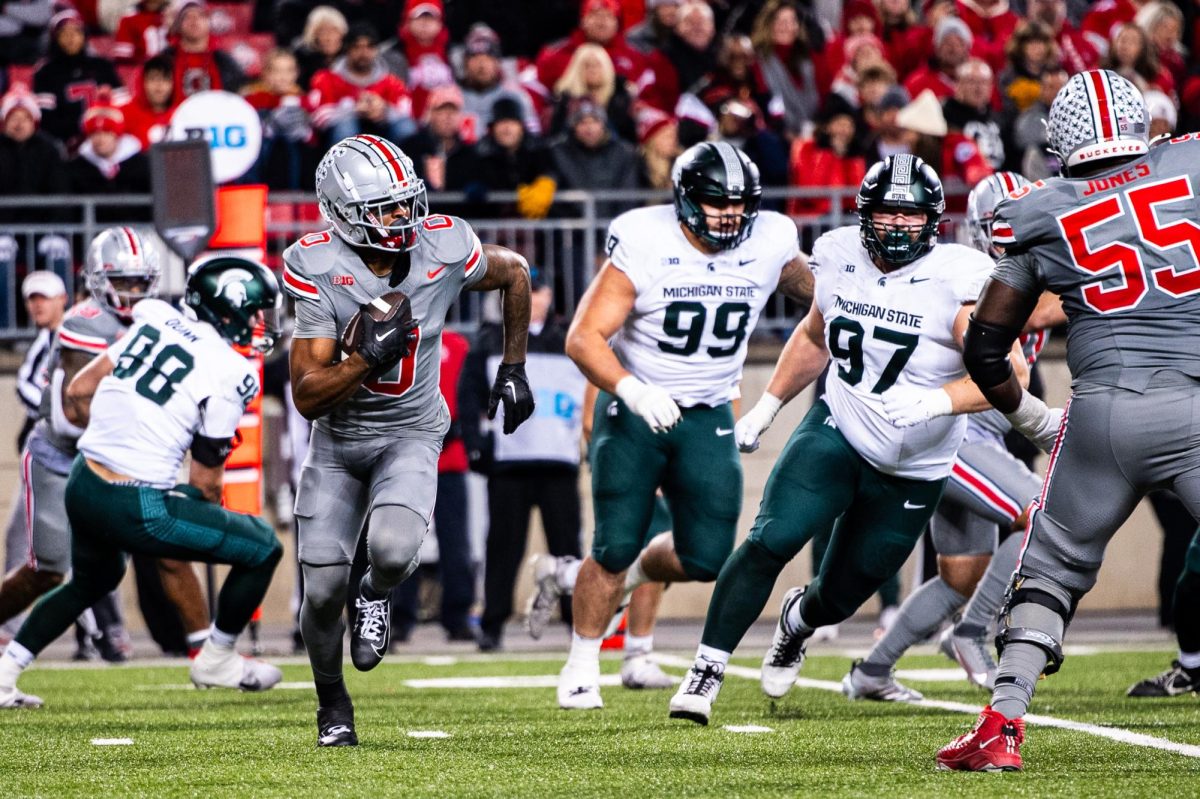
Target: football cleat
{"type": "Point", "coordinates": [974, 654]}
{"type": "Point", "coordinates": [827, 633]}
{"type": "Point", "coordinates": [579, 689]}
{"type": "Point", "coordinates": [993, 744]}
{"type": "Point", "coordinates": [372, 629]}
{"type": "Point", "coordinates": [225, 668]}
{"type": "Point", "coordinates": [699, 689]}
{"type": "Point", "coordinates": [944, 644]}
{"type": "Point", "coordinates": [335, 726]}
{"type": "Point", "coordinates": [547, 590]}
{"type": "Point", "coordinates": [1175, 681]}
{"type": "Point", "coordinates": [639, 672]}
{"type": "Point", "coordinates": [781, 665]}
{"type": "Point", "coordinates": [13, 698]}
{"type": "Point", "coordinates": [859, 685]}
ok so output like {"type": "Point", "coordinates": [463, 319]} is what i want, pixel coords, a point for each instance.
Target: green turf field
{"type": "Point", "coordinates": [514, 742]}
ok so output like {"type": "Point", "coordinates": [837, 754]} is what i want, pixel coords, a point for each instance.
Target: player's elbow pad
{"type": "Point", "coordinates": [985, 352]}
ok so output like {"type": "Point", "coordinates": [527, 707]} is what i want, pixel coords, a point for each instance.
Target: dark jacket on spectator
{"type": "Point", "coordinates": [619, 110]}
{"type": "Point", "coordinates": [66, 86]}
{"type": "Point", "coordinates": [127, 172]}
{"type": "Point", "coordinates": [612, 165]}
{"type": "Point", "coordinates": [488, 167]}
{"type": "Point", "coordinates": [34, 166]}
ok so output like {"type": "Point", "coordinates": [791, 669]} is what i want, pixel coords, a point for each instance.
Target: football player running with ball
{"type": "Point", "coordinates": [173, 383]}
{"type": "Point", "coordinates": [378, 415]}
{"type": "Point", "coordinates": [662, 333]}
{"type": "Point", "coordinates": [891, 308]}
{"type": "Point", "coordinates": [1116, 238]}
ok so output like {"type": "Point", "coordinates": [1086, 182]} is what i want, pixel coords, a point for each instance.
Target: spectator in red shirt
{"type": "Point", "coordinates": [1102, 20]}
{"type": "Point", "coordinates": [992, 23]}
{"type": "Point", "coordinates": [419, 52]}
{"type": "Point", "coordinates": [359, 95]}
{"type": "Point", "coordinates": [140, 33]}
{"type": "Point", "coordinates": [1075, 51]}
{"type": "Point", "coordinates": [1031, 51]}
{"type": "Point", "coordinates": [1133, 57]}
{"type": "Point", "coordinates": [863, 52]}
{"type": "Point", "coordinates": [590, 75]}
{"type": "Point", "coordinates": [859, 18]}
{"type": "Point", "coordinates": [148, 112]}
{"type": "Point", "coordinates": [826, 160]}
{"type": "Point", "coordinates": [905, 40]}
{"type": "Point", "coordinates": [598, 24]}
{"type": "Point", "coordinates": [951, 47]}
{"type": "Point", "coordinates": [321, 43]}
{"type": "Point", "coordinates": [287, 131]}
{"type": "Point", "coordinates": [70, 79]}
{"type": "Point", "coordinates": [199, 66]}
{"type": "Point", "coordinates": [786, 59]}
{"type": "Point", "coordinates": [1163, 24]}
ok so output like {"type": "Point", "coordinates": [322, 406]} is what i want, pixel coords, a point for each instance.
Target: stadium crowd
{"type": "Point", "coordinates": [540, 96]}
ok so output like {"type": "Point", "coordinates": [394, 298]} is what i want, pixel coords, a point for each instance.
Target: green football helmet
{"type": "Point", "coordinates": [716, 174]}
{"type": "Point", "coordinates": [237, 296]}
{"type": "Point", "coordinates": [904, 183]}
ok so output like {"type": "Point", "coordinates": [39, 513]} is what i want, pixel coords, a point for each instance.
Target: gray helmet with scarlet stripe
{"type": "Point", "coordinates": [369, 192]}
{"type": "Point", "coordinates": [121, 269]}
{"type": "Point", "coordinates": [1098, 115]}
{"type": "Point", "coordinates": [981, 206]}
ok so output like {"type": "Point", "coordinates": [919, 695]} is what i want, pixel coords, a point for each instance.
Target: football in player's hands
{"type": "Point", "coordinates": [382, 332]}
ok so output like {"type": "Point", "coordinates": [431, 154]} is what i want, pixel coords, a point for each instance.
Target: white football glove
{"type": "Point", "coordinates": [1036, 421]}
{"type": "Point", "coordinates": [906, 406]}
{"type": "Point", "coordinates": [652, 403]}
{"type": "Point", "coordinates": [755, 422]}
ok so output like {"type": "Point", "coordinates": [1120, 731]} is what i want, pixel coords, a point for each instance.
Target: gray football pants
{"type": "Point", "coordinates": [1114, 447]}
{"type": "Point", "coordinates": [987, 487]}
{"type": "Point", "coordinates": [387, 485]}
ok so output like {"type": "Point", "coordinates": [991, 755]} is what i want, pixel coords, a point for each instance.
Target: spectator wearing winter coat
{"type": "Point", "coordinates": [439, 138]}
{"type": "Point", "coordinates": [1075, 51]}
{"type": "Point", "coordinates": [653, 32]}
{"type": "Point", "coordinates": [827, 160]}
{"type": "Point", "coordinates": [590, 76]}
{"type": "Point", "coordinates": [140, 33]}
{"type": "Point", "coordinates": [67, 82]}
{"type": "Point", "coordinates": [418, 54]}
{"type": "Point", "coordinates": [110, 161]}
{"type": "Point", "coordinates": [589, 157]}
{"type": "Point", "coordinates": [287, 153]}
{"type": "Point", "coordinates": [321, 42]}
{"type": "Point", "coordinates": [199, 66]}
{"type": "Point", "coordinates": [31, 162]}
{"type": "Point", "coordinates": [148, 112]}
{"type": "Point", "coordinates": [487, 78]}
{"type": "Point", "coordinates": [786, 59]}
{"type": "Point", "coordinates": [951, 48]}
{"type": "Point", "coordinates": [359, 95]}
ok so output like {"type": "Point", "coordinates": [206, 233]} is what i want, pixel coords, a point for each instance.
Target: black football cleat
{"type": "Point", "coordinates": [335, 725]}
{"type": "Point", "coordinates": [372, 628]}
{"type": "Point", "coordinates": [1175, 681]}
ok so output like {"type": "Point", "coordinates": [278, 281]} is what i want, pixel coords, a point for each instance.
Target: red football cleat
{"type": "Point", "coordinates": [993, 744]}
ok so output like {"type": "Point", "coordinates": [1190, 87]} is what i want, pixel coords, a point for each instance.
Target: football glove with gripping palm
{"type": "Point", "coordinates": [385, 343]}
{"type": "Point", "coordinates": [511, 388]}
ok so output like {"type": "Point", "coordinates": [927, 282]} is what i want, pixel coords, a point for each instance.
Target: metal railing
{"type": "Point", "coordinates": [567, 246]}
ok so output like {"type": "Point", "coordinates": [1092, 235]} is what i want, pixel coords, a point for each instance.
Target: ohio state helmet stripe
{"type": "Point", "coordinates": [1102, 110]}
{"type": "Point", "coordinates": [389, 158]}
{"type": "Point", "coordinates": [1010, 185]}
{"type": "Point", "coordinates": [132, 239]}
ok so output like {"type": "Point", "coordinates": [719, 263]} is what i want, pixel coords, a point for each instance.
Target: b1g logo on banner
{"type": "Point", "coordinates": [228, 123]}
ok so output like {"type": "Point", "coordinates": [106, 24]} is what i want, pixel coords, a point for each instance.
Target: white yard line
{"type": "Point", "coordinates": [536, 681]}
{"type": "Point", "coordinates": [1111, 733]}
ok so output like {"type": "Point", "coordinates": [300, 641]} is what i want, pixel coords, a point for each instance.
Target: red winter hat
{"type": "Point", "coordinates": [601, 5]}
{"type": "Point", "coordinates": [415, 8]}
{"type": "Point", "coordinates": [20, 97]}
{"type": "Point", "coordinates": [103, 118]}
{"type": "Point", "coordinates": [650, 121]}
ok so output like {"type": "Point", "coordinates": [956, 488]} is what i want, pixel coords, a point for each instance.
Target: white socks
{"type": "Point", "coordinates": [794, 623]}
{"type": "Point", "coordinates": [15, 660]}
{"type": "Point", "coordinates": [712, 655]}
{"type": "Point", "coordinates": [568, 575]}
{"type": "Point", "coordinates": [585, 653]}
{"type": "Point", "coordinates": [638, 644]}
{"type": "Point", "coordinates": [1189, 660]}
{"type": "Point", "coordinates": [222, 640]}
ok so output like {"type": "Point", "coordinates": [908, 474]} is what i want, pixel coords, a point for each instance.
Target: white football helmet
{"type": "Point", "coordinates": [1097, 115]}
{"type": "Point", "coordinates": [121, 269]}
{"type": "Point", "coordinates": [981, 205]}
{"type": "Point", "coordinates": [360, 181]}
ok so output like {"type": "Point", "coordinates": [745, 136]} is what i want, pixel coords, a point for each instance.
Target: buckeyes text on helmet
{"type": "Point", "coordinates": [368, 190]}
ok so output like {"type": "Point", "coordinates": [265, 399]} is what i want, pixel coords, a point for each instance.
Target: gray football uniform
{"type": "Point", "coordinates": [987, 485]}
{"type": "Point", "coordinates": [89, 328]}
{"type": "Point", "coordinates": [380, 447]}
{"type": "Point", "coordinates": [1120, 248]}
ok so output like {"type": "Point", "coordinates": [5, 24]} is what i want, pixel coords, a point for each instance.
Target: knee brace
{"type": "Point", "coordinates": [1017, 627]}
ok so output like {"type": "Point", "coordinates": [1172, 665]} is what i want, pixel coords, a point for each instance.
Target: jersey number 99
{"type": "Point", "coordinates": [686, 320]}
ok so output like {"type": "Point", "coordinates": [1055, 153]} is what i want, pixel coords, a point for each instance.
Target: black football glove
{"type": "Point", "coordinates": [386, 343]}
{"type": "Point", "coordinates": [511, 388]}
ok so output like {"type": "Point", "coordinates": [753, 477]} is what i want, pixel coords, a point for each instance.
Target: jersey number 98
{"type": "Point", "coordinates": [159, 379]}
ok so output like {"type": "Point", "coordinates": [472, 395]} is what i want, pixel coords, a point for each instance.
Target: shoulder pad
{"type": "Point", "coordinates": [1010, 219]}
{"type": "Point", "coordinates": [88, 327]}
{"type": "Point", "coordinates": [305, 259]}
{"type": "Point", "coordinates": [450, 240]}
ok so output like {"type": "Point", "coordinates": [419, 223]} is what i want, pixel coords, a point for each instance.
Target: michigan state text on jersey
{"type": "Point", "coordinates": [662, 332]}
{"type": "Point", "coordinates": [890, 308]}
{"type": "Point", "coordinates": [379, 418]}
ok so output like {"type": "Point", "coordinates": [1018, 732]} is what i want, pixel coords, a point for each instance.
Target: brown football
{"type": "Point", "coordinates": [381, 309]}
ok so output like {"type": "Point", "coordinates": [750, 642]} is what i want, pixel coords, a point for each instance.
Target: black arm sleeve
{"type": "Point", "coordinates": [985, 352]}
{"type": "Point", "coordinates": [211, 452]}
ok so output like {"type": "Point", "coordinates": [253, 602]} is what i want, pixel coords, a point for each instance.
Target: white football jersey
{"type": "Point", "coordinates": [173, 378]}
{"type": "Point", "coordinates": [894, 329]}
{"type": "Point", "coordinates": [694, 312]}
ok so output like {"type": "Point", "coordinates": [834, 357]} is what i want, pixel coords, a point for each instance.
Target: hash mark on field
{"type": "Point", "coordinates": [187, 686]}
{"type": "Point", "coordinates": [428, 734]}
{"type": "Point", "coordinates": [112, 742]}
{"type": "Point", "coordinates": [1111, 733]}
{"type": "Point", "coordinates": [537, 681]}
{"type": "Point", "coordinates": [749, 729]}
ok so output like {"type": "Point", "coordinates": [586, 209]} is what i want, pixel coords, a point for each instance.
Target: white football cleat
{"type": "Point", "coordinates": [781, 665]}
{"type": "Point", "coordinates": [225, 668]}
{"type": "Point", "coordinates": [13, 698]}
{"type": "Point", "coordinates": [547, 589]}
{"type": "Point", "coordinates": [857, 684]}
{"type": "Point", "coordinates": [699, 689]}
{"type": "Point", "coordinates": [579, 689]}
{"type": "Point", "coordinates": [639, 672]}
{"type": "Point", "coordinates": [975, 657]}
